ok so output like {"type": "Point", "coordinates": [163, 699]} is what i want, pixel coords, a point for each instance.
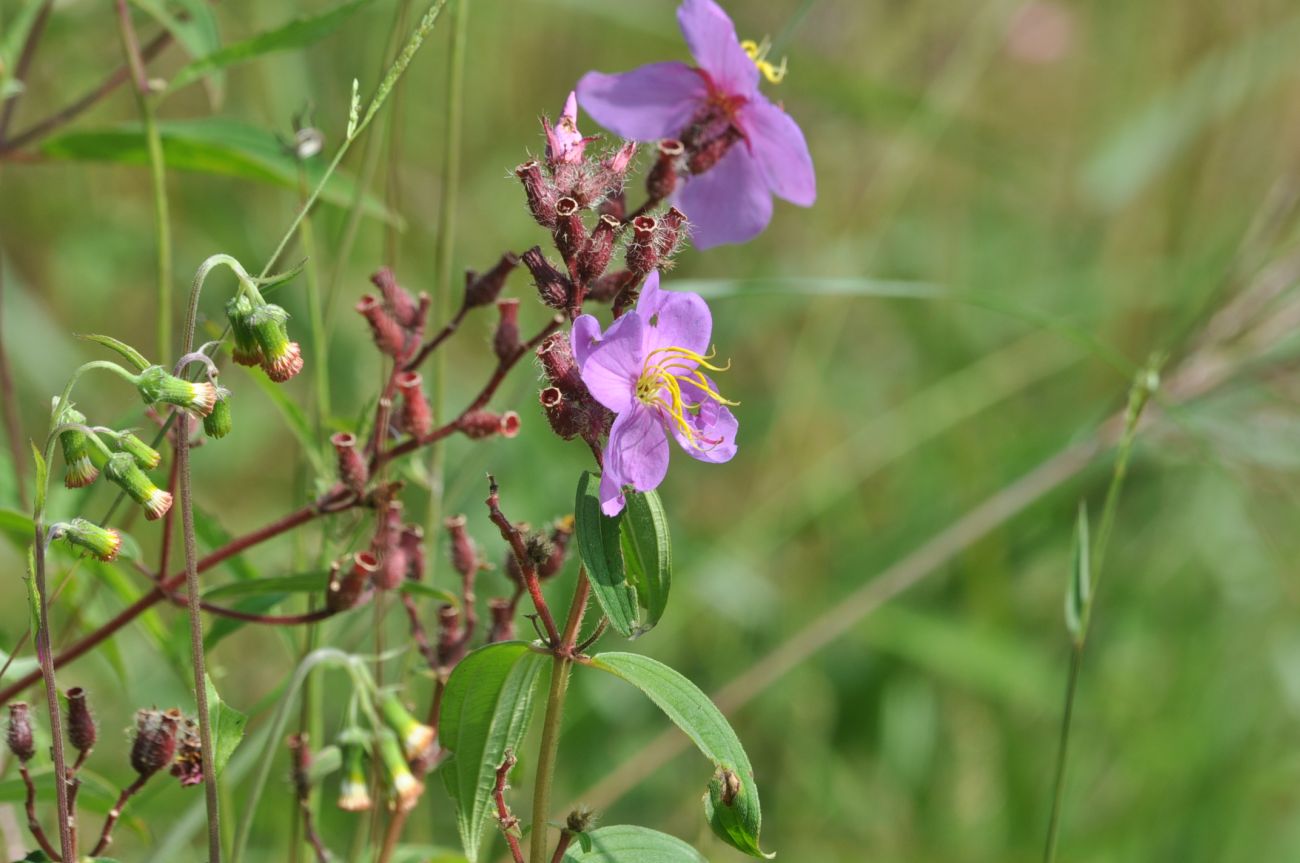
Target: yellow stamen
{"type": "Point", "coordinates": [757, 52]}
{"type": "Point", "coordinates": [660, 387]}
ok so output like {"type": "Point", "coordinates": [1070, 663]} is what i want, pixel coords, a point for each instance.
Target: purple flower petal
{"type": "Point", "coordinates": [613, 366]}
{"type": "Point", "coordinates": [584, 336]}
{"type": "Point", "coordinates": [612, 500]}
{"type": "Point", "coordinates": [648, 103]}
{"type": "Point", "coordinates": [714, 425]}
{"type": "Point", "coordinates": [712, 39]}
{"type": "Point", "coordinates": [564, 143]}
{"type": "Point", "coordinates": [729, 203]}
{"type": "Point", "coordinates": [673, 319]}
{"type": "Point", "coordinates": [637, 453]}
{"type": "Point", "coordinates": [778, 146]}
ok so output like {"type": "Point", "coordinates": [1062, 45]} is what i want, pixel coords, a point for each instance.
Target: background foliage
{"type": "Point", "coordinates": [996, 180]}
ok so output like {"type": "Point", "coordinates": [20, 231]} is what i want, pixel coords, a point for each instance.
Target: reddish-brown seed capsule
{"type": "Point", "coordinates": [403, 306]}
{"type": "Point", "coordinates": [564, 419]}
{"type": "Point", "coordinates": [643, 251]}
{"type": "Point", "coordinates": [552, 285]}
{"type": "Point", "coordinates": [480, 290]}
{"type": "Point", "coordinates": [503, 622]}
{"type": "Point", "coordinates": [347, 586]}
{"type": "Point", "coordinates": [662, 179]}
{"type": "Point", "coordinates": [672, 230]}
{"type": "Point", "coordinates": [464, 552]}
{"type": "Point", "coordinates": [387, 332]}
{"type": "Point", "coordinates": [570, 232]}
{"type": "Point", "coordinates": [352, 467]}
{"type": "Point", "coordinates": [540, 193]}
{"type": "Point", "coordinates": [82, 732]}
{"type": "Point", "coordinates": [155, 740]}
{"type": "Point", "coordinates": [412, 545]}
{"type": "Point", "coordinates": [392, 569]}
{"type": "Point", "coordinates": [505, 341]}
{"type": "Point", "coordinates": [607, 287]}
{"type": "Point", "coordinates": [20, 740]}
{"type": "Point", "coordinates": [449, 631]}
{"type": "Point", "coordinates": [416, 418]}
{"type": "Point", "coordinates": [481, 424]}
{"type": "Point", "coordinates": [600, 248]}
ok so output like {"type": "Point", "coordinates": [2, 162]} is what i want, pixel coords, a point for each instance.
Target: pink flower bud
{"type": "Point", "coordinates": [416, 418]}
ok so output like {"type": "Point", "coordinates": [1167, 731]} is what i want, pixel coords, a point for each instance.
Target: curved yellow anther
{"type": "Point", "coordinates": [660, 386]}
{"type": "Point", "coordinates": [757, 52]}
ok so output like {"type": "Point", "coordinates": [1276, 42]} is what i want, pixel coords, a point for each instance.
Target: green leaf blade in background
{"type": "Point", "coordinates": [630, 844]}
{"type": "Point", "coordinates": [1079, 595]}
{"type": "Point", "coordinates": [737, 822]}
{"type": "Point", "coordinates": [227, 724]}
{"type": "Point", "coordinates": [213, 145]}
{"type": "Point", "coordinates": [485, 711]}
{"type": "Point", "coordinates": [647, 555]}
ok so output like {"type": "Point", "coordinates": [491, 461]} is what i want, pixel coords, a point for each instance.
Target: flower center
{"type": "Point", "coordinates": [758, 52]}
{"type": "Point", "coordinates": [660, 387]}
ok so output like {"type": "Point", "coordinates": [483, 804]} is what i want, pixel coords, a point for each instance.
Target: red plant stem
{"type": "Point", "coordinates": [577, 609]}
{"type": "Point", "coordinates": [106, 835]}
{"type": "Point", "coordinates": [526, 566]}
{"type": "Point", "coordinates": [418, 634]}
{"type": "Point", "coordinates": [562, 845]}
{"type": "Point", "coordinates": [33, 823]}
{"type": "Point", "coordinates": [283, 525]}
{"type": "Point", "coordinates": [441, 336]}
{"type": "Point", "coordinates": [507, 821]}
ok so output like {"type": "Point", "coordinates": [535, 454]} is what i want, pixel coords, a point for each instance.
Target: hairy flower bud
{"type": "Point", "coordinates": [600, 248]}
{"type": "Point", "coordinates": [661, 182]}
{"type": "Point", "coordinates": [353, 472]}
{"type": "Point", "coordinates": [188, 763]}
{"type": "Point", "coordinates": [219, 423]}
{"type": "Point", "coordinates": [615, 167]}
{"type": "Point", "coordinates": [580, 820]}
{"type": "Point", "coordinates": [79, 454]}
{"type": "Point", "coordinates": [412, 546]}
{"type": "Point", "coordinates": [553, 286]}
{"type": "Point", "coordinates": [540, 193]}
{"type": "Point", "coordinates": [155, 740]}
{"type": "Point", "coordinates": [239, 312]}
{"type": "Point", "coordinates": [123, 472]}
{"type": "Point", "coordinates": [354, 790]}
{"type": "Point", "coordinates": [145, 456]}
{"type": "Point", "coordinates": [387, 332]}
{"type": "Point", "coordinates": [480, 424]}
{"type": "Point", "coordinates": [480, 290]}
{"type": "Point", "coordinates": [21, 742]}
{"type": "Point", "coordinates": [505, 341]}
{"type": "Point", "coordinates": [281, 358]}
{"type": "Point", "coordinates": [82, 732]}
{"type": "Point", "coordinates": [503, 621]}
{"type": "Point", "coordinates": [157, 385]}
{"type": "Point", "coordinates": [672, 229]}
{"type": "Point", "coordinates": [416, 417]}
{"type": "Point", "coordinates": [404, 307]}
{"type": "Point", "coordinates": [643, 251]}
{"type": "Point", "coordinates": [570, 232]}
{"type": "Point", "coordinates": [416, 737]}
{"type": "Point", "coordinates": [102, 542]}
{"type": "Point", "coordinates": [464, 552]}
{"type": "Point", "coordinates": [406, 788]}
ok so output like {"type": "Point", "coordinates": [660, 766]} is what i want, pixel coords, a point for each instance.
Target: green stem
{"type": "Point", "coordinates": [546, 757]}
{"type": "Point", "coordinates": [162, 223]}
{"type": "Point", "coordinates": [1062, 751]}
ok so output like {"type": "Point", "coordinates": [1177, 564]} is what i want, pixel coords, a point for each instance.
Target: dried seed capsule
{"type": "Point", "coordinates": [672, 229]}
{"type": "Point", "coordinates": [503, 622]}
{"type": "Point", "coordinates": [155, 740]}
{"type": "Point", "coordinates": [565, 420]}
{"type": "Point", "coordinates": [464, 552]}
{"type": "Point", "coordinates": [416, 417]}
{"type": "Point", "coordinates": [412, 545]}
{"type": "Point", "coordinates": [595, 257]}
{"type": "Point", "coordinates": [553, 286]}
{"type": "Point", "coordinates": [505, 341]}
{"type": "Point", "coordinates": [404, 307]}
{"type": "Point", "coordinates": [188, 764]}
{"type": "Point", "coordinates": [387, 332]}
{"type": "Point", "coordinates": [481, 424]}
{"type": "Point", "coordinates": [662, 179]}
{"type": "Point", "coordinates": [82, 732]}
{"type": "Point", "coordinates": [643, 251]}
{"type": "Point", "coordinates": [540, 193]}
{"type": "Point", "coordinates": [570, 232]}
{"type": "Point", "coordinates": [608, 286]}
{"type": "Point", "coordinates": [21, 742]}
{"type": "Point", "coordinates": [352, 467]}
{"type": "Point", "coordinates": [480, 290]}
{"type": "Point", "coordinates": [346, 587]}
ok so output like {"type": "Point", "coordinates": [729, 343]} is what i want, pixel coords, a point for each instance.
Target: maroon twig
{"type": "Point", "coordinates": [33, 823]}
{"type": "Point", "coordinates": [566, 837]}
{"type": "Point", "coordinates": [594, 637]}
{"type": "Point", "coordinates": [441, 336]}
{"type": "Point", "coordinates": [527, 568]}
{"type": "Point", "coordinates": [106, 834]}
{"type": "Point", "coordinates": [418, 633]}
{"type": "Point", "coordinates": [508, 822]}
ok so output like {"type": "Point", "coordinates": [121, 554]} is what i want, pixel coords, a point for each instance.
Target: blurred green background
{"type": "Point", "coordinates": [1020, 202]}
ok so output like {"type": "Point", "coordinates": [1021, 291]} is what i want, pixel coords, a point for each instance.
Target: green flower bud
{"type": "Point", "coordinates": [156, 385]}
{"type": "Point", "coordinates": [416, 737]}
{"type": "Point", "coordinates": [145, 456]}
{"type": "Point", "coordinates": [247, 352]}
{"type": "Point", "coordinates": [354, 789]}
{"type": "Point", "coordinates": [102, 542]}
{"type": "Point", "coordinates": [281, 358]}
{"type": "Point", "coordinates": [218, 423]}
{"type": "Point", "coordinates": [406, 788]}
{"type": "Point", "coordinates": [82, 458]}
{"type": "Point", "coordinates": [123, 472]}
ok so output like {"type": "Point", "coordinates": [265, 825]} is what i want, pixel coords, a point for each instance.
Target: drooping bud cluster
{"type": "Point", "coordinates": [569, 406]}
{"type": "Point", "coordinates": [405, 787]}
{"type": "Point", "coordinates": [219, 423]}
{"type": "Point", "coordinates": [261, 336]}
{"type": "Point", "coordinates": [103, 543]}
{"type": "Point", "coordinates": [82, 460]}
{"type": "Point", "coordinates": [415, 736]}
{"type": "Point", "coordinates": [157, 385]}
{"type": "Point", "coordinates": [145, 456]}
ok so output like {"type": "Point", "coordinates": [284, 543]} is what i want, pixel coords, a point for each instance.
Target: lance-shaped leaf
{"type": "Point", "coordinates": [731, 803]}
{"type": "Point", "coordinates": [628, 844]}
{"type": "Point", "coordinates": [123, 350]}
{"type": "Point", "coordinates": [628, 557]}
{"type": "Point", "coordinates": [485, 711]}
{"type": "Point", "coordinates": [227, 725]}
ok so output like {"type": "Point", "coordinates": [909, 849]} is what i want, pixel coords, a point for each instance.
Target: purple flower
{"type": "Point", "coordinates": [564, 143]}
{"type": "Point", "coordinates": [648, 368]}
{"type": "Point", "coordinates": [741, 148]}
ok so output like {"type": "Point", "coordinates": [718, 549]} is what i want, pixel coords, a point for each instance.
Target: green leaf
{"type": "Point", "coordinates": [647, 554]}
{"type": "Point", "coordinates": [735, 815]}
{"type": "Point", "coordinates": [1078, 597]}
{"type": "Point", "coordinates": [600, 547]}
{"type": "Point", "coordinates": [124, 350]}
{"type": "Point", "coordinates": [16, 527]}
{"type": "Point", "coordinates": [298, 33]}
{"type": "Point", "coordinates": [419, 588]}
{"type": "Point", "coordinates": [196, 30]}
{"type": "Point", "coordinates": [213, 145]}
{"type": "Point", "coordinates": [485, 711]}
{"type": "Point", "coordinates": [628, 557]}
{"type": "Point", "coordinates": [311, 582]}
{"type": "Point", "coordinates": [426, 854]}
{"type": "Point", "coordinates": [629, 844]}
{"type": "Point", "coordinates": [42, 477]}
{"type": "Point", "coordinates": [228, 726]}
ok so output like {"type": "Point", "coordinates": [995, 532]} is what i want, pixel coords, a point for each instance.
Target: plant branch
{"type": "Point", "coordinates": [106, 834]}
{"type": "Point", "coordinates": [508, 822]}
{"type": "Point", "coordinates": [515, 539]}
{"type": "Point", "coordinates": [34, 823]}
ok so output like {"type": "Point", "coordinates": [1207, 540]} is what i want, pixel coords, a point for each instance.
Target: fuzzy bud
{"type": "Point", "coordinates": [643, 251]}
{"type": "Point", "coordinates": [145, 456]}
{"type": "Point", "coordinates": [353, 472]}
{"type": "Point", "coordinates": [615, 167]}
{"type": "Point", "coordinates": [464, 553]}
{"type": "Point", "coordinates": [354, 790]}
{"type": "Point", "coordinates": [21, 742]}
{"type": "Point", "coordinates": [553, 286]}
{"type": "Point", "coordinates": [82, 732]}
{"type": "Point", "coordinates": [570, 232]}
{"type": "Point", "coordinates": [505, 341]}
{"type": "Point", "coordinates": [123, 472]}
{"type": "Point", "coordinates": [503, 621]}
{"type": "Point", "coordinates": [600, 248]}
{"type": "Point", "coordinates": [239, 312]}
{"type": "Point", "coordinates": [672, 228]}
{"type": "Point", "coordinates": [79, 455]}
{"type": "Point", "coordinates": [156, 385]}
{"type": "Point", "coordinates": [481, 424]}
{"type": "Point", "coordinates": [155, 740]}
{"type": "Point", "coordinates": [406, 788]}
{"type": "Point", "coordinates": [416, 737]}
{"type": "Point", "coordinates": [219, 423]}
{"type": "Point", "coordinates": [580, 820]}
{"type": "Point", "coordinates": [416, 417]}
{"type": "Point", "coordinates": [387, 332]}
{"type": "Point", "coordinates": [102, 542]}
{"type": "Point", "coordinates": [480, 290]}
{"type": "Point", "coordinates": [540, 193]}
{"type": "Point", "coordinates": [404, 307]}
{"type": "Point", "coordinates": [281, 358]}
{"type": "Point", "coordinates": [662, 179]}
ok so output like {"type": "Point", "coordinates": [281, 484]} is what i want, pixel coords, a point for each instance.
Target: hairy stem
{"type": "Point", "coordinates": [546, 755]}
{"type": "Point", "coordinates": [46, 661]}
